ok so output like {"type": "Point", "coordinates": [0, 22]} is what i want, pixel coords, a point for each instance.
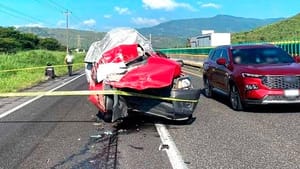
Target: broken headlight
{"type": "Point", "coordinates": [183, 83]}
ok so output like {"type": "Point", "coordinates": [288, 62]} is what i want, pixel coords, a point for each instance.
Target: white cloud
{"type": "Point", "coordinates": [61, 23]}
{"type": "Point", "coordinates": [107, 16]}
{"type": "Point", "coordinates": [31, 25]}
{"type": "Point", "coordinates": [165, 4]}
{"type": "Point", "coordinates": [89, 22]}
{"type": "Point", "coordinates": [210, 5]}
{"type": "Point", "coordinates": [147, 21]}
{"type": "Point", "coordinates": [35, 25]}
{"type": "Point", "coordinates": [122, 11]}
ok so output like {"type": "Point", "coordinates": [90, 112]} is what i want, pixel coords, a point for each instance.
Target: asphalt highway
{"type": "Point", "coordinates": [63, 132]}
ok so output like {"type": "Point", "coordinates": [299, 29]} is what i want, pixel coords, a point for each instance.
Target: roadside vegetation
{"type": "Point", "coordinates": [26, 56]}
{"type": "Point", "coordinates": [36, 60]}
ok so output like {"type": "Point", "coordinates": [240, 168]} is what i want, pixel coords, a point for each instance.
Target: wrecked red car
{"type": "Point", "coordinates": [140, 80]}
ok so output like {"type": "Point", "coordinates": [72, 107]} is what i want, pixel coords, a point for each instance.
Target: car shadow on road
{"type": "Point", "coordinates": [138, 121]}
{"type": "Point", "coordinates": [274, 108]}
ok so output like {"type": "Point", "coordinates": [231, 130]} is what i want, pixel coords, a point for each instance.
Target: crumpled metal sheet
{"type": "Point", "coordinates": [156, 73]}
{"type": "Point", "coordinates": [114, 38]}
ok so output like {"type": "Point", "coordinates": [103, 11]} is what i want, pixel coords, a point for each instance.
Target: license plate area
{"type": "Point", "coordinates": [291, 93]}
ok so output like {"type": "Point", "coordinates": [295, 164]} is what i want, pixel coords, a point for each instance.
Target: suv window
{"type": "Point", "coordinates": [211, 53]}
{"type": "Point", "coordinates": [261, 56]}
{"type": "Point", "coordinates": [225, 55]}
{"type": "Point", "coordinates": [217, 54]}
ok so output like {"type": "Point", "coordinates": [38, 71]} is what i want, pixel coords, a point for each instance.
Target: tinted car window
{"type": "Point", "coordinates": [211, 53]}
{"type": "Point", "coordinates": [217, 54]}
{"type": "Point", "coordinates": [225, 54]}
{"type": "Point", "coordinates": [261, 56]}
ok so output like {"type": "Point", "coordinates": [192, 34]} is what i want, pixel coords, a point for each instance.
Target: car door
{"type": "Point", "coordinates": [221, 73]}
{"type": "Point", "coordinates": [210, 66]}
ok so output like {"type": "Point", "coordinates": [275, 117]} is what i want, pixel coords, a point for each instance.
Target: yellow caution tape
{"type": "Point", "coordinates": [91, 92]}
{"type": "Point", "coordinates": [33, 68]}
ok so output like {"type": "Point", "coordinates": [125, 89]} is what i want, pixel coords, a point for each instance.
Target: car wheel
{"type": "Point", "coordinates": [106, 117]}
{"type": "Point", "coordinates": [207, 88]}
{"type": "Point", "coordinates": [235, 99]}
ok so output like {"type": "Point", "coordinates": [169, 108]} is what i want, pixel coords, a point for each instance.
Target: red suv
{"type": "Point", "coordinates": [252, 74]}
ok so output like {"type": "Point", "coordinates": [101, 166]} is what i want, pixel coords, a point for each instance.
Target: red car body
{"type": "Point", "coordinates": [156, 73]}
{"type": "Point", "coordinates": [252, 74]}
{"type": "Point", "coordinates": [140, 80]}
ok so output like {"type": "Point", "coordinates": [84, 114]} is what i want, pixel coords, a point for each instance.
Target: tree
{"type": "Point", "coordinates": [49, 44]}
{"type": "Point", "coordinates": [9, 45]}
{"type": "Point", "coordinates": [29, 41]}
{"type": "Point", "coordinates": [12, 40]}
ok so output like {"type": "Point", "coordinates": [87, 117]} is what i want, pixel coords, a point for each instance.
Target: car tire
{"type": "Point", "coordinates": [106, 117]}
{"type": "Point", "coordinates": [207, 88]}
{"type": "Point", "coordinates": [235, 99]}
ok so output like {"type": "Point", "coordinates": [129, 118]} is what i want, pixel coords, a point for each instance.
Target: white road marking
{"type": "Point", "coordinates": [36, 98]}
{"type": "Point", "coordinates": [169, 146]}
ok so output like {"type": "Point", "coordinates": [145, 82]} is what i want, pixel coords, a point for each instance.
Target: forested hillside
{"type": "Point", "coordinates": [288, 29]}
{"type": "Point", "coordinates": [221, 23]}
{"type": "Point", "coordinates": [77, 38]}
{"type": "Point", "coordinates": [12, 41]}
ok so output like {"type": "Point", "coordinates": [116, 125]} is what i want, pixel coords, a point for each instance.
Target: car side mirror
{"type": "Point", "coordinates": [221, 61]}
{"type": "Point", "coordinates": [297, 59]}
{"type": "Point", "coordinates": [180, 62]}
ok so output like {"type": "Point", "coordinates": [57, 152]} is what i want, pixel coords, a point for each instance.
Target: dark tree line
{"type": "Point", "coordinates": [12, 41]}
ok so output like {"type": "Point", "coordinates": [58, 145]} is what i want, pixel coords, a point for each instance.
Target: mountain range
{"type": "Point", "coordinates": [165, 35]}
{"type": "Point", "coordinates": [220, 23]}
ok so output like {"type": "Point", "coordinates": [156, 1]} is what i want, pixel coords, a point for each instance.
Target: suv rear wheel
{"type": "Point", "coordinates": [235, 98]}
{"type": "Point", "coordinates": [207, 88]}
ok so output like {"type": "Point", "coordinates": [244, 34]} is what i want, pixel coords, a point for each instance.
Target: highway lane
{"type": "Point", "coordinates": [46, 132]}
{"type": "Point", "coordinates": [62, 132]}
{"type": "Point", "coordinates": [55, 132]}
{"type": "Point", "coordinates": [261, 137]}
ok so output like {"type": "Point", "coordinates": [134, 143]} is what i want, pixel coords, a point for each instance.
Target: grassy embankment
{"type": "Point", "coordinates": [37, 60]}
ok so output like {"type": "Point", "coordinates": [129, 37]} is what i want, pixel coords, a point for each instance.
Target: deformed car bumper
{"type": "Point", "coordinates": [177, 104]}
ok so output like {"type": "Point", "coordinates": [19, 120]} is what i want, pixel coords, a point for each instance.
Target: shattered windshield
{"type": "Point", "coordinates": [114, 38]}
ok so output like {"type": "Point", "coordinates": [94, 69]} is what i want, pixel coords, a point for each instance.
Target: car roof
{"type": "Point", "coordinates": [247, 46]}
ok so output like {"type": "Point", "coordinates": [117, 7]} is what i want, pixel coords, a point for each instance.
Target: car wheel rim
{"type": "Point", "coordinates": [206, 88]}
{"type": "Point", "coordinates": [234, 97]}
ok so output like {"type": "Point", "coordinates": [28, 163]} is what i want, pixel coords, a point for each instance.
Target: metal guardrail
{"type": "Point", "coordinates": [193, 63]}
{"type": "Point", "coordinates": [292, 47]}
{"type": "Point", "coordinates": [195, 56]}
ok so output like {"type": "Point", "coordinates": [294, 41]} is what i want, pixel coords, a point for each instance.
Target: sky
{"type": "Point", "coordinates": [103, 15]}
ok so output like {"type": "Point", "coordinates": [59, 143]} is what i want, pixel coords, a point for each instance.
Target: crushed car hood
{"type": "Point", "coordinates": [156, 73]}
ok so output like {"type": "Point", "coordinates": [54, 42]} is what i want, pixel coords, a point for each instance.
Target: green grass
{"type": "Point", "coordinates": [37, 60]}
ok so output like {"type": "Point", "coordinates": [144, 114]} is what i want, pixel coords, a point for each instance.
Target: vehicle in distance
{"type": "Point", "coordinates": [252, 75]}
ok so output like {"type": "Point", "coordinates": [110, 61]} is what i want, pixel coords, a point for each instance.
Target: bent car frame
{"type": "Point", "coordinates": [252, 75]}
{"type": "Point", "coordinates": [124, 61]}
